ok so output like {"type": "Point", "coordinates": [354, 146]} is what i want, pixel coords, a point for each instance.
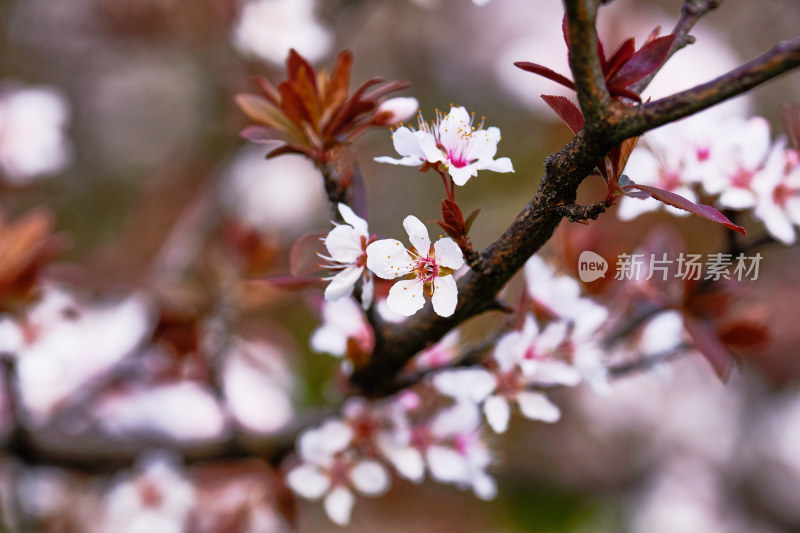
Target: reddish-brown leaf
{"type": "Point", "coordinates": [745, 334]}
{"type": "Point", "coordinates": [623, 54]}
{"type": "Point", "coordinates": [339, 84]}
{"type": "Point", "coordinates": [546, 72]}
{"type": "Point", "coordinates": [617, 91]}
{"type": "Point", "coordinates": [565, 109]}
{"type": "Point", "coordinates": [268, 90]}
{"type": "Point", "coordinates": [297, 66]}
{"type": "Point", "coordinates": [675, 200]}
{"type": "Point", "coordinates": [292, 104]}
{"type": "Point", "coordinates": [304, 257]}
{"type": "Point", "coordinates": [452, 216]}
{"type": "Point", "coordinates": [644, 61]}
{"type": "Point", "coordinates": [709, 345]}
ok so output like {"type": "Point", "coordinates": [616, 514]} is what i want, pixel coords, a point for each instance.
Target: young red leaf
{"type": "Point", "coordinates": [303, 257]}
{"type": "Point", "coordinates": [708, 344]}
{"type": "Point", "coordinates": [617, 91]}
{"type": "Point", "coordinates": [546, 72]}
{"type": "Point", "coordinates": [644, 61]}
{"type": "Point", "coordinates": [452, 216]}
{"type": "Point", "coordinates": [450, 230]}
{"type": "Point", "coordinates": [565, 109]}
{"type": "Point", "coordinates": [470, 219]}
{"type": "Point", "coordinates": [623, 54]}
{"type": "Point", "coordinates": [675, 200]}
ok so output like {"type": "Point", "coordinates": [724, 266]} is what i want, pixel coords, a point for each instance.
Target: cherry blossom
{"type": "Point", "coordinates": [423, 265]}
{"type": "Point", "coordinates": [451, 141]}
{"type": "Point", "coordinates": [66, 344]}
{"type": "Point", "coordinates": [450, 445]}
{"type": "Point", "coordinates": [347, 254]}
{"type": "Point", "coordinates": [255, 374]}
{"type": "Point", "coordinates": [344, 328]}
{"type": "Point", "coordinates": [330, 469]}
{"type": "Point", "coordinates": [778, 194]}
{"type": "Point", "coordinates": [666, 159]}
{"type": "Point", "coordinates": [746, 145]}
{"type": "Point", "coordinates": [520, 359]}
{"type": "Point", "coordinates": [269, 28]}
{"type": "Point", "coordinates": [440, 354]}
{"type": "Point", "coordinates": [559, 297]}
{"type": "Point", "coordinates": [32, 136]}
{"type": "Point", "coordinates": [157, 498]}
{"type": "Point", "coordinates": [279, 195]}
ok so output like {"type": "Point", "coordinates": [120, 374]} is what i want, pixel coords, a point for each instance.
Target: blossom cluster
{"type": "Point", "coordinates": [734, 161]}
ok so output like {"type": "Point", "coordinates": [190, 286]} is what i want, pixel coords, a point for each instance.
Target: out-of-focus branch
{"type": "Point", "coordinates": [584, 62]}
{"type": "Point", "coordinates": [691, 12]}
{"type": "Point", "coordinates": [783, 57]}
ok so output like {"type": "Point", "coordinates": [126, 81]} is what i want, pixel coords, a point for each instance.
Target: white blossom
{"type": "Point", "coordinates": [269, 28]}
{"type": "Point", "coordinates": [347, 255]}
{"type": "Point", "coordinates": [778, 194]}
{"type": "Point", "coordinates": [451, 141]}
{"type": "Point", "coordinates": [330, 470]}
{"type": "Point", "coordinates": [422, 266]}
{"type": "Point", "coordinates": [156, 498]}
{"type": "Point", "coordinates": [32, 134]}
{"type": "Point", "coordinates": [342, 321]}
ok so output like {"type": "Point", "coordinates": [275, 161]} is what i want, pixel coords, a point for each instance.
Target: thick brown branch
{"type": "Point", "coordinates": [584, 62]}
{"type": "Point", "coordinates": [782, 58]}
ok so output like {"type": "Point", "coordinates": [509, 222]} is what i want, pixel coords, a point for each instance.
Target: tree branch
{"type": "Point", "coordinates": [584, 62]}
{"type": "Point", "coordinates": [691, 12]}
{"type": "Point", "coordinates": [533, 227]}
{"type": "Point", "coordinates": [780, 59]}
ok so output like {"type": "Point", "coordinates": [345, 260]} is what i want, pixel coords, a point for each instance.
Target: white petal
{"type": "Point", "coordinates": [370, 477]}
{"type": "Point", "coordinates": [778, 224]}
{"type": "Point", "coordinates": [343, 244]}
{"type": "Point", "coordinates": [330, 340]}
{"type": "Point", "coordinates": [630, 208]}
{"type": "Point", "coordinates": [500, 165]}
{"type": "Point", "coordinates": [409, 161]}
{"type": "Point", "coordinates": [447, 465]}
{"type": "Point", "coordinates": [388, 259]}
{"type": "Point", "coordinates": [367, 292]}
{"type": "Point", "coordinates": [427, 144]}
{"type": "Point", "coordinates": [339, 505]}
{"type": "Point", "coordinates": [497, 413]}
{"type": "Point", "coordinates": [484, 486]}
{"type": "Point", "coordinates": [406, 144]}
{"type": "Point", "coordinates": [448, 253]}
{"type": "Point", "coordinates": [349, 216]}
{"type": "Point", "coordinates": [308, 481]}
{"type": "Point", "coordinates": [473, 384]}
{"type": "Point", "coordinates": [318, 445]}
{"type": "Point", "coordinates": [405, 297]}
{"type": "Point", "coordinates": [536, 406]}
{"type": "Point", "coordinates": [418, 235]}
{"type": "Point", "coordinates": [461, 175]}
{"type": "Point", "coordinates": [445, 295]}
{"type": "Point", "coordinates": [406, 460]}
{"type": "Point", "coordinates": [557, 373]}
{"type": "Point", "coordinates": [462, 417]}
{"type": "Point", "coordinates": [342, 283]}
{"type": "Point", "coordinates": [737, 198]}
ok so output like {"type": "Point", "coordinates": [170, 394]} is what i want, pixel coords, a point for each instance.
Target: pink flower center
{"type": "Point", "coordinates": [782, 194]}
{"type": "Point", "coordinates": [742, 178]}
{"type": "Point", "coordinates": [426, 269]}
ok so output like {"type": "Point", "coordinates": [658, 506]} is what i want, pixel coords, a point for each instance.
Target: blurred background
{"type": "Point", "coordinates": [117, 118]}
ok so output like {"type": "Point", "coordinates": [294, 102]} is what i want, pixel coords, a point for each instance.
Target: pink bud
{"type": "Point", "coordinates": [396, 110]}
